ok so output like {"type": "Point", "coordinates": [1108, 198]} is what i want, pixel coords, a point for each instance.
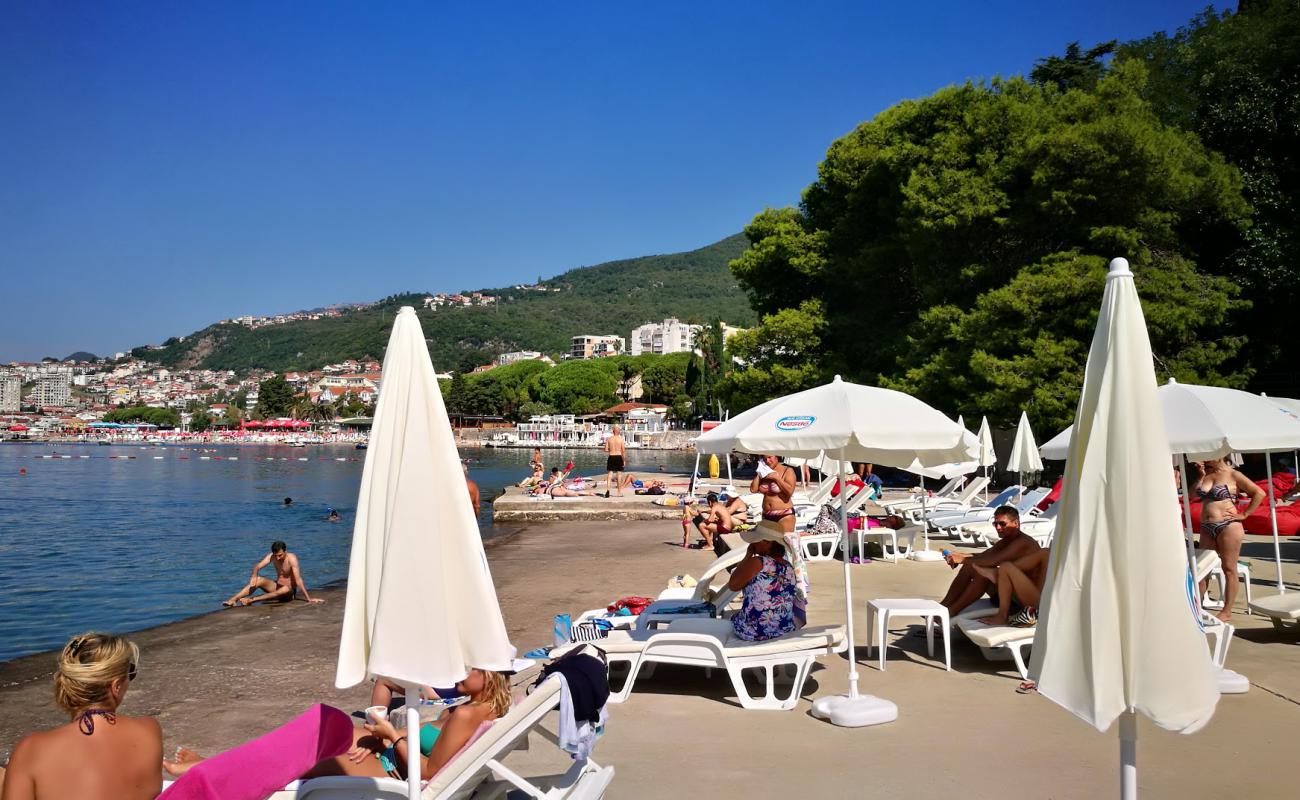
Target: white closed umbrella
{"type": "Point", "coordinates": [421, 608]}
{"type": "Point", "coordinates": [1203, 422]}
{"type": "Point", "coordinates": [847, 422]}
{"type": "Point", "coordinates": [1117, 631]}
{"type": "Point", "coordinates": [1024, 455]}
{"type": "Point", "coordinates": [987, 455]}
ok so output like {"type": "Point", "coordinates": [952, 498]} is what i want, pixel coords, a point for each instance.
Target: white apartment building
{"type": "Point", "coordinates": [669, 336]}
{"type": "Point", "coordinates": [11, 392]}
{"type": "Point", "coordinates": [53, 387]}
{"type": "Point", "coordinates": [518, 355]}
{"type": "Point", "coordinates": [598, 346]}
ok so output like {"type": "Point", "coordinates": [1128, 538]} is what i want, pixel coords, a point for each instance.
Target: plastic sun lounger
{"type": "Point", "coordinates": [913, 508]}
{"type": "Point", "coordinates": [934, 516]}
{"type": "Point", "coordinates": [944, 492]}
{"type": "Point", "coordinates": [711, 643]}
{"type": "Point", "coordinates": [1282, 609]}
{"type": "Point", "coordinates": [1039, 527]}
{"type": "Point", "coordinates": [993, 638]}
{"type": "Point", "coordinates": [822, 546]}
{"type": "Point", "coordinates": [477, 770]}
{"type": "Point", "coordinates": [702, 592]}
{"type": "Point", "coordinates": [954, 526]}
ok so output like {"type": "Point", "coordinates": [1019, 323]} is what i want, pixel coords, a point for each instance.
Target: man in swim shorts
{"type": "Point", "coordinates": [288, 580]}
{"type": "Point", "coordinates": [615, 452]}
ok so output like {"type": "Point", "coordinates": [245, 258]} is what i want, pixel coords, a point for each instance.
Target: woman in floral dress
{"type": "Point", "coordinates": [766, 580]}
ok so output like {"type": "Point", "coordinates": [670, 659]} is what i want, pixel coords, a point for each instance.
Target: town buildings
{"type": "Point", "coordinates": [11, 392]}
{"type": "Point", "coordinates": [53, 387]}
{"type": "Point", "coordinates": [669, 336]}
{"type": "Point", "coordinates": [597, 346]}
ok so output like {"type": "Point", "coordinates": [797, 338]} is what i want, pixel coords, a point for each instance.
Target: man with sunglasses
{"type": "Point", "coordinates": [969, 585]}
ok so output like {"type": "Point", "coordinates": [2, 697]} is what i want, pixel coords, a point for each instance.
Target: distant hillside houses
{"type": "Point", "coordinates": [436, 301]}
{"type": "Point", "coordinates": [250, 321]}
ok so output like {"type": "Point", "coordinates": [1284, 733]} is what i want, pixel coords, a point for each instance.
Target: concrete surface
{"type": "Point", "coordinates": [217, 680]}
{"type": "Point", "coordinates": [517, 506]}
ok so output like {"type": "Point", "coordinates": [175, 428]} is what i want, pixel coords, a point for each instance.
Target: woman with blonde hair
{"type": "Point", "coordinates": [99, 753]}
{"type": "Point", "coordinates": [1221, 521]}
{"type": "Point", "coordinates": [379, 747]}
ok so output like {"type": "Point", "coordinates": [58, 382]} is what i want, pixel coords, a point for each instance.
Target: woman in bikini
{"type": "Point", "coordinates": [777, 488]}
{"type": "Point", "coordinates": [1221, 528]}
{"type": "Point", "coordinates": [101, 753]}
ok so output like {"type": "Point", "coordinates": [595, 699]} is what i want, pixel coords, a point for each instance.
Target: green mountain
{"type": "Point", "coordinates": [610, 298]}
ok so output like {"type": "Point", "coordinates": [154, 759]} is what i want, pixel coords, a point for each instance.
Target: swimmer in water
{"type": "Point", "coordinates": [288, 501]}
{"type": "Point", "coordinates": [334, 516]}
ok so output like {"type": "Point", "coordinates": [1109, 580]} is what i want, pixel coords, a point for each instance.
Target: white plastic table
{"type": "Point", "coordinates": [880, 610]}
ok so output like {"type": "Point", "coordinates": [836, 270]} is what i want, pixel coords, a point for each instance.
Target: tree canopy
{"type": "Point", "coordinates": [954, 247]}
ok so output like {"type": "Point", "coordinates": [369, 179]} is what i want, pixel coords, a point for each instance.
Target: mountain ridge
{"type": "Point", "coordinates": [607, 298]}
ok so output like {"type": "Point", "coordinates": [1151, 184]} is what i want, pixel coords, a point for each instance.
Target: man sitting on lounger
{"type": "Point", "coordinates": [288, 580]}
{"type": "Point", "coordinates": [1022, 581]}
{"type": "Point", "coordinates": [970, 585]}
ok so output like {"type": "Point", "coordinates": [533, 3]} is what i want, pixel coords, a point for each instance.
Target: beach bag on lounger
{"type": "Point", "coordinates": [591, 630]}
{"type": "Point", "coordinates": [827, 522]}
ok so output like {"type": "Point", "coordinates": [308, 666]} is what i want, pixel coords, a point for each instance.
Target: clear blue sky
{"type": "Point", "coordinates": [164, 165]}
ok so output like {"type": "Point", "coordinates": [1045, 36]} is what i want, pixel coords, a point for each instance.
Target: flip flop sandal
{"type": "Point", "coordinates": [1027, 687]}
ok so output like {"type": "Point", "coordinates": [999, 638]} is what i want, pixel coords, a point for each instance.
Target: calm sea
{"type": "Point", "coordinates": [127, 537]}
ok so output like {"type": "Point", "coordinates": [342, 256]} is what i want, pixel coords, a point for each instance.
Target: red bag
{"type": "Point", "coordinates": [635, 604]}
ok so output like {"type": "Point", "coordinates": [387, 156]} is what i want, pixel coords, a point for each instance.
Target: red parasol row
{"type": "Point", "coordinates": [278, 424]}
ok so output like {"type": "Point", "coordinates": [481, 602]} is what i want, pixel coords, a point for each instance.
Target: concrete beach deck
{"type": "Point", "coordinates": [217, 680]}
{"type": "Point", "coordinates": [517, 506]}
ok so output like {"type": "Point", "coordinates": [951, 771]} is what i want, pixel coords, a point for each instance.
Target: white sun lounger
{"type": "Point", "coordinates": [906, 503]}
{"type": "Point", "coordinates": [711, 643]}
{"type": "Point", "coordinates": [1039, 527]}
{"type": "Point", "coordinates": [912, 507]}
{"type": "Point", "coordinates": [934, 516]}
{"type": "Point", "coordinates": [822, 546]}
{"type": "Point", "coordinates": [993, 638]}
{"type": "Point", "coordinates": [954, 525]}
{"type": "Point", "coordinates": [1282, 609]}
{"type": "Point", "coordinates": [702, 592]}
{"type": "Point", "coordinates": [478, 770]}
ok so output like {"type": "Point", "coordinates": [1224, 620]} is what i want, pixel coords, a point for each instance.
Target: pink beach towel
{"type": "Point", "coordinates": [257, 769]}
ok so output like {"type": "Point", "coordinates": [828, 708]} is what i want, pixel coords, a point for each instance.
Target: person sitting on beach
{"type": "Point", "coordinates": [969, 585]}
{"type": "Point", "coordinates": [775, 481]}
{"type": "Point", "coordinates": [288, 580]}
{"type": "Point", "coordinates": [533, 480]}
{"type": "Point", "coordinates": [1020, 581]}
{"type": "Point", "coordinates": [766, 581]}
{"type": "Point", "coordinates": [379, 748]}
{"type": "Point", "coordinates": [100, 754]}
{"type": "Point", "coordinates": [737, 508]}
{"type": "Point", "coordinates": [556, 487]}
{"type": "Point", "coordinates": [652, 487]}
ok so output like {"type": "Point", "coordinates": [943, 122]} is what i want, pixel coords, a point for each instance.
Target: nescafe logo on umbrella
{"type": "Point", "coordinates": [794, 423]}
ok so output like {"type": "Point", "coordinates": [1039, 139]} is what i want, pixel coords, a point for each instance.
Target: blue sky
{"type": "Point", "coordinates": [164, 165]}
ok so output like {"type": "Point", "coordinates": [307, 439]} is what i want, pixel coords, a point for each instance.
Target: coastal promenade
{"type": "Point", "coordinates": [220, 679]}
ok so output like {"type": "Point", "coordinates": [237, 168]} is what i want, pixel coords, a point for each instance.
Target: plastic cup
{"type": "Point", "coordinates": [377, 713]}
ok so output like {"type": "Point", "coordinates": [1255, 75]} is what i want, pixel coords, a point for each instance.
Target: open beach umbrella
{"type": "Point", "coordinates": [847, 422]}
{"type": "Point", "coordinates": [1117, 631]}
{"type": "Point", "coordinates": [1203, 422]}
{"type": "Point", "coordinates": [1024, 455]}
{"type": "Point", "coordinates": [421, 608]}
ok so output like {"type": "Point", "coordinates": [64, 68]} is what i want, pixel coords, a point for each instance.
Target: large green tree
{"type": "Point", "coordinates": [954, 247]}
{"type": "Point", "coordinates": [274, 397]}
{"type": "Point", "coordinates": [1233, 79]}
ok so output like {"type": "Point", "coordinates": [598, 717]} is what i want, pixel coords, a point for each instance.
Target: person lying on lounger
{"type": "Point", "coordinates": [379, 749]}
{"type": "Point", "coordinates": [101, 753]}
{"type": "Point", "coordinates": [288, 580]}
{"type": "Point", "coordinates": [969, 585]}
{"type": "Point", "coordinates": [1019, 582]}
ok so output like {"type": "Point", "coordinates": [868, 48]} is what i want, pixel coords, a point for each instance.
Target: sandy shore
{"type": "Point", "coordinates": [216, 680]}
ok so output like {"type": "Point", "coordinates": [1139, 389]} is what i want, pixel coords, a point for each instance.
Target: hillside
{"type": "Point", "coordinates": [606, 298]}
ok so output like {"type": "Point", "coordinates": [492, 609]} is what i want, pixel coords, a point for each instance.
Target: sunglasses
{"type": "Point", "coordinates": [997, 523]}
{"type": "Point", "coordinates": [130, 671]}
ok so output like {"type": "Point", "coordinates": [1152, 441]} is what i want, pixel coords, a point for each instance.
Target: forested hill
{"type": "Point", "coordinates": [610, 298]}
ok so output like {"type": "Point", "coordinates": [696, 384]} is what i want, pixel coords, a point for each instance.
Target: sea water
{"type": "Point", "coordinates": [127, 537]}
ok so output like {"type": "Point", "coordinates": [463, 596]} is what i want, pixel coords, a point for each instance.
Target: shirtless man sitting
{"type": "Point", "coordinates": [288, 578]}
{"type": "Point", "coordinates": [970, 585]}
{"type": "Point", "coordinates": [1021, 580]}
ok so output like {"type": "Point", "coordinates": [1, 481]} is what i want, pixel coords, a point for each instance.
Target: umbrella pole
{"type": "Point", "coordinates": [1187, 513]}
{"type": "Point", "coordinates": [1128, 746]}
{"type": "Point", "coordinates": [1272, 513]}
{"type": "Point", "coordinates": [925, 523]}
{"type": "Point", "coordinates": [848, 581]}
{"type": "Point", "coordinates": [695, 474]}
{"type": "Point", "coordinates": [730, 486]}
{"type": "Point", "coordinates": [413, 775]}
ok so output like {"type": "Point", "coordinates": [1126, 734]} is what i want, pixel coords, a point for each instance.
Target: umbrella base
{"type": "Point", "coordinates": [1232, 682]}
{"type": "Point", "coordinates": [854, 712]}
{"type": "Point", "coordinates": [925, 555]}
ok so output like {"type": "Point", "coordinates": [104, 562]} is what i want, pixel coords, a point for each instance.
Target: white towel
{"type": "Point", "coordinates": [574, 738]}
